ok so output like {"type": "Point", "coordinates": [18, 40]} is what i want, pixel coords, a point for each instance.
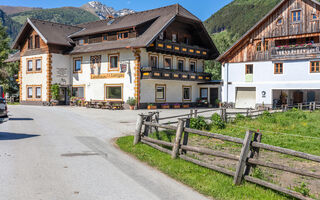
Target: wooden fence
{"type": "Point", "coordinates": [248, 158]}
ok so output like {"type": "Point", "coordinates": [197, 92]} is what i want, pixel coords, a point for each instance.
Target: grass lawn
{"type": "Point", "coordinates": [205, 181]}
{"type": "Point", "coordinates": [14, 103]}
{"type": "Point", "coordinates": [295, 129]}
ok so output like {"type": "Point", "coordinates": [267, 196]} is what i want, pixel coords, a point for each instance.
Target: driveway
{"type": "Point", "coordinates": [55, 153]}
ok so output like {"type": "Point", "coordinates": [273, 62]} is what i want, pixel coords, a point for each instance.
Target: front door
{"type": "Point", "coordinates": [63, 96]}
{"type": "Point", "coordinates": [311, 96]}
{"type": "Point", "coordinates": [297, 97]}
{"type": "Point", "coordinates": [214, 96]}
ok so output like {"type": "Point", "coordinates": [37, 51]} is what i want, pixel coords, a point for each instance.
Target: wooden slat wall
{"type": "Point", "coordinates": [269, 30]}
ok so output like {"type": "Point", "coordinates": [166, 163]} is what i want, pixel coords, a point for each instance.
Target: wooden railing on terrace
{"type": "Point", "coordinates": [295, 52]}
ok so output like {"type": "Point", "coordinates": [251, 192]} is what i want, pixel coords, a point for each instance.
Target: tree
{"type": "Point", "coordinates": [8, 71]}
{"type": "Point", "coordinates": [223, 41]}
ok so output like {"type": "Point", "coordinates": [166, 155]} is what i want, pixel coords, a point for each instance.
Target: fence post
{"type": "Point", "coordinates": [247, 112]}
{"type": "Point", "coordinates": [310, 106]}
{"type": "Point", "coordinates": [255, 151]}
{"type": "Point", "coordinates": [176, 145]}
{"type": "Point", "coordinates": [186, 135]}
{"type": "Point", "coordinates": [243, 158]}
{"type": "Point", "coordinates": [314, 106]}
{"type": "Point", "coordinates": [195, 113]}
{"type": "Point", "coordinates": [137, 136]}
{"type": "Point", "coordinates": [191, 113]}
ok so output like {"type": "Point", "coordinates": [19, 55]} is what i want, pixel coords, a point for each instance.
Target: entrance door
{"type": "Point", "coordinates": [63, 96]}
{"type": "Point", "coordinates": [214, 96]}
{"type": "Point", "coordinates": [246, 97]}
{"type": "Point", "coordinates": [297, 97]}
{"type": "Point", "coordinates": [311, 96]}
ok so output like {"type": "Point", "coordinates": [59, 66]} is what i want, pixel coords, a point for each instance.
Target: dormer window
{"type": "Point", "coordinates": [296, 16]}
{"type": "Point", "coordinates": [123, 35]}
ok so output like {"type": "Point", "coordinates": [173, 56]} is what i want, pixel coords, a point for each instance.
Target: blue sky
{"type": "Point", "coordinates": [201, 8]}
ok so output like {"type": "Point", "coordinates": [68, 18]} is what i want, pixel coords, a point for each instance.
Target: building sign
{"type": "Point", "coordinates": [264, 93]}
{"type": "Point", "coordinates": [62, 72]}
{"type": "Point", "coordinates": [106, 76]}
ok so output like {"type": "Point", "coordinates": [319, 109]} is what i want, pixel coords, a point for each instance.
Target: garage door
{"type": "Point", "coordinates": [246, 98]}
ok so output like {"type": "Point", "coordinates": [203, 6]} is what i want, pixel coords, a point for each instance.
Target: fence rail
{"type": "Point", "coordinates": [248, 158]}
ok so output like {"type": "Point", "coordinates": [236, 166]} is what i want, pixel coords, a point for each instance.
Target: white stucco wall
{"type": "Point", "coordinates": [94, 88]}
{"type": "Point", "coordinates": [61, 71]}
{"type": "Point", "coordinates": [296, 76]}
{"type": "Point", "coordinates": [34, 78]}
{"type": "Point", "coordinates": [173, 90]}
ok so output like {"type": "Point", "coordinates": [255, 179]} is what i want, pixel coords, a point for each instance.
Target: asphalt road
{"type": "Point", "coordinates": [60, 153]}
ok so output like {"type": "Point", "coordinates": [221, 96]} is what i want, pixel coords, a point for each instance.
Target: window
{"type": "Point", "coordinates": [278, 68]}
{"type": "Point", "coordinates": [153, 61]}
{"type": "Point", "coordinates": [95, 61]}
{"type": "Point", "coordinates": [204, 93]}
{"type": "Point", "coordinates": [78, 92]}
{"type": "Point", "coordinates": [186, 93]}
{"type": "Point", "coordinates": [314, 16]}
{"type": "Point", "coordinates": [113, 62]}
{"type": "Point", "coordinates": [113, 92]}
{"type": "Point", "coordinates": [30, 43]}
{"type": "Point", "coordinates": [77, 65]}
{"type": "Point", "coordinates": [180, 65]}
{"type": "Point", "coordinates": [37, 41]}
{"type": "Point", "coordinates": [186, 40]}
{"type": "Point", "coordinates": [123, 35]}
{"type": "Point", "coordinates": [86, 40]}
{"type": "Point", "coordinates": [266, 46]}
{"type": "Point", "coordinates": [259, 46]}
{"type": "Point", "coordinates": [29, 92]}
{"type": "Point", "coordinates": [315, 67]}
{"type": "Point", "coordinates": [105, 37]}
{"type": "Point", "coordinates": [280, 21]}
{"type": "Point", "coordinates": [81, 42]}
{"type": "Point", "coordinates": [249, 69]}
{"type": "Point", "coordinates": [167, 63]}
{"type": "Point", "coordinates": [38, 92]}
{"type": "Point", "coordinates": [174, 37]}
{"type": "Point", "coordinates": [192, 66]}
{"type": "Point", "coordinates": [38, 65]}
{"type": "Point", "coordinates": [296, 16]}
{"type": "Point", "coordinates": [30, 66]}
{"type": "Point", "coordinates": [160, 92]}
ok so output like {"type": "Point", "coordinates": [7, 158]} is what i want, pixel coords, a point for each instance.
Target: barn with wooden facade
{"type": "Point", "coordinates": [156, 56]}
{"type": "Point", "coordinates": [278, 60]}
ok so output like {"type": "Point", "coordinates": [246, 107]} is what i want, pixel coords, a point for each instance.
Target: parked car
{"type": "Point", "coordinates": [3, 108]}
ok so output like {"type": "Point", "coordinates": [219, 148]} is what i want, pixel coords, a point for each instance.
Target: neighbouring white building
{"type": "Point", "coordinates": [277, 61]}
{"type": "Point", "coordinates": [156, 56]}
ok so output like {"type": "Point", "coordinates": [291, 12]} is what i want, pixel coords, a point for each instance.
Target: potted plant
{"type": "Point", "coordinates": [176, 106]}
{"type": "Point", "coordinates": [55, 91]}
{"type": "Point", "coordinates": [218, 103]}
{"type": "Point", "coordinates": [165, 106]}
{"type": "Point", "coordinates": [185, 106]}
{"type": "Point", "coordinates": [132, 102]}
{"type": "Point", "coordinates": [152, 107]}
{"type": "Point", "coordinates": [73, 101]}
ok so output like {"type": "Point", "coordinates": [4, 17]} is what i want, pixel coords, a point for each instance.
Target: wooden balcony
{"type": "Point", "coordinates": [295, 52]}
{"type": "Point", "coordinates": [153, 73]}
{"type": "Point", "coordinates": [170, 47]}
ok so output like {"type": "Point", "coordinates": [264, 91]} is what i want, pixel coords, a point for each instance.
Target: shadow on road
{"type": "Point", "coordinates": [15, 136]}
{"type": "Point", "coordinates": [20, 119]}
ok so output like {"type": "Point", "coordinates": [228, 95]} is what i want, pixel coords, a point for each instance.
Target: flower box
{"type": "Point", "coordinates": [185, 106]}
{"type": "Point", "coordinates": [151, 107]}
{"type": "Point", "coordinates": [165, 106]}
{"type": "Point", "coordinates": [176, 106]}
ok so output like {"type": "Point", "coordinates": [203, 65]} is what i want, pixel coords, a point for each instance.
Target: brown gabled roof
{"type": "Point", "coordinates": [226, 53]}
{"type": "Point", "coordinates": [50, 32]}
{"type": "Point", "coordinates": [134, 19]}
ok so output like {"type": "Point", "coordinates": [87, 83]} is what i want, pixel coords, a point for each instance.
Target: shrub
{"type": "Point", "coordinates": [240, 117]}
{"type": "Point", "coordinates": [131, 101]}
{"type": "Point", "coordinates": [55, 90]}
{"type": "Point", "coordinates": [303, 189]}
{"type": "Point", "coordinates": [217, 121]}
{"type": "Point", "coordinates": [198, 123]}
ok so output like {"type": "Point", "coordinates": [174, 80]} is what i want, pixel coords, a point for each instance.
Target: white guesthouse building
{"type": "Point", "coordinates": [277, 61]}
{"type": "Point", "coordinates": [156, 56]}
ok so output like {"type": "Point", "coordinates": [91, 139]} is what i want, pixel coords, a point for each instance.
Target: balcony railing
{"type": "Point", "coordinates": [295, 51]}
{"type": "Point", "coordinates": [155, 73]}
{"type": "Point", "coordinates": [179, 49]}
